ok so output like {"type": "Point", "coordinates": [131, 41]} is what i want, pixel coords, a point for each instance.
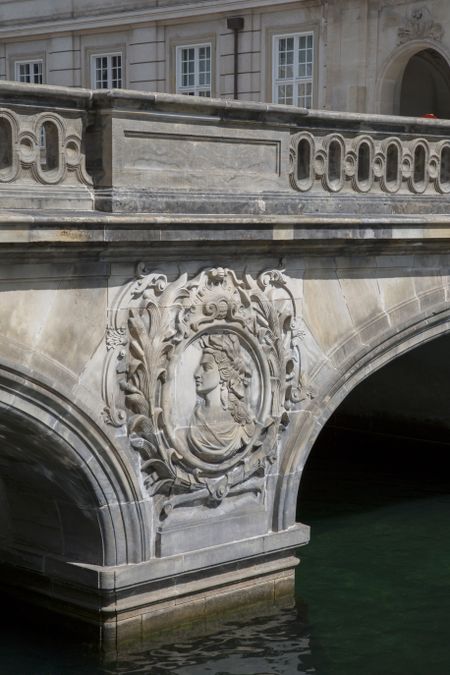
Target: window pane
{"type": "Point", "coordinates": [101, 72]}
{"type": "Point", "coordinates": [37, 73]}
{"type": "Point", "coordinates": [293, 72]}
{"type": "Point", "coordinates": [116, 71]}
{"type": "Point", "coordinates": [108, 71]}
{"type": "Point", "coordinates": [305, 94]}
{"type": "Point", "coordinates": [194, 69]}
{"type": "Point", "coordinates": [285, 94]}
{"type": "Point", "coordinates": [30, 72]}
{"type": "Point", "coordinates": [24, 72]}
{"type": "Point", "coordinates": [285, 58]}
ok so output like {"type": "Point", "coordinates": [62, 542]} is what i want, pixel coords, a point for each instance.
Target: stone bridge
{"type": "Point", "coordinates": [189, 288]}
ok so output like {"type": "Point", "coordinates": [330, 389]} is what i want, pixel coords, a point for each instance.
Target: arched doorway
{"type": "Point", "coordinates": [414, 77]}
{"type": "Point", "coordinates": [425, 86]}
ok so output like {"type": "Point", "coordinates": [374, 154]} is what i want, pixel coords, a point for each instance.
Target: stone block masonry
{"type": "Point", "coordinates": [189, 287]}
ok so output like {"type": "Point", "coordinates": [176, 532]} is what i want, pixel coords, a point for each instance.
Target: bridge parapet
{"type": "Point", "coordinates": [160, 153]}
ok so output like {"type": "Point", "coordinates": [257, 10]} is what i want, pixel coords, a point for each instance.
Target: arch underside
{"type": "Point", "coordinates": [361, 361]}
{"type": "Point", "coordinates": [48, 507]}
{"type": "Point", "coordinates": [66, 494]}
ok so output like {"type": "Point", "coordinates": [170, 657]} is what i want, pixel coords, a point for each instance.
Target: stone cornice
{"type": "Point", "coordinates": [118, 20]}
{"type": "Point", "coordinates": [52, 234]}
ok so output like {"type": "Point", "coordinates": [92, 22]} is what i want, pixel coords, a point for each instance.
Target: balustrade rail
{"type": "Point", "coordinates": [44, 148]}
{"type": "Point", "coordinates": [365, 163]}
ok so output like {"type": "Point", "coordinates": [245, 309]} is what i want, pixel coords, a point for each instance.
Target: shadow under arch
{"type": "Point", "coordinates": [388, 88]}
{"type": "Point", "coordinates": [435, 324]}
{"type": "Point", "coordinates": [66, 493]}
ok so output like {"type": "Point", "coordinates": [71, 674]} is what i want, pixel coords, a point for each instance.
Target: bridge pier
{"type": "Point", "coordinates": [189, 290]}
{"type": "Point", "coordinates": [147, 601]}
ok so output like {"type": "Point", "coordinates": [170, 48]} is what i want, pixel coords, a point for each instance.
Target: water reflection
{"type": "Point", "coordinates": [373, 588]}
{"type": "Point", "coordinates": [268, 645]}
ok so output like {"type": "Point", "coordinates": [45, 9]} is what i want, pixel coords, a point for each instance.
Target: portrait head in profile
{"type": "Point", "coordinates": [221, 423]}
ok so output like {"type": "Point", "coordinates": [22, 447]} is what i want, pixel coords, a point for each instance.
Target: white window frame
{"type": "Point", "coordinates": [109, 56]}
{"type": "Point", "coordinates": [31, 63]}
{"type": "Point", "coordinates": [298, 80]}
{"type": "Point", "coordinates": [197, 89]}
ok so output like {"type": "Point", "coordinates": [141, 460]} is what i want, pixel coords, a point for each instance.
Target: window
{"type": "Point", "coordinates": [293, 69]}
{"type": "Point", "coordinates": [106, 71]}
{"type": "Point", "coordinates": [29, 71]}
{"type": "Point", "coordinates": [194, 70]}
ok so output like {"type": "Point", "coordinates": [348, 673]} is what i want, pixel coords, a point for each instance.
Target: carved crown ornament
{"type": "Point", "coordinates": [204, 374]}
{"type": "Point", "coordinates": [420, 25]}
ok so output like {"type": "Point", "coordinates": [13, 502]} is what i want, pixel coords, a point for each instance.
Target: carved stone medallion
{"type": "Point", "coordinates": [211, 371]}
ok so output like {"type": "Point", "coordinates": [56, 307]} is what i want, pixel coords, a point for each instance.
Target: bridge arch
{"type": "Point", "coordinates": [434, 322]}
{"type": "Point", "coordinates": [66, 492]}
{"type": "Point", "coordinates": [405, 65]}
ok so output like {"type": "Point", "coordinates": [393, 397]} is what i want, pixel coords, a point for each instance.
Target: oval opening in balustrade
{"type": "Point", "coordinates": [419, 175]}
{"type": "Point", "coordinates": [392, 167]}
{"type": "Point", "coordinates": [6, 144]}
{"type": "Point", "coordinates": [364, 157]}
{"type": "Point", "coordinates": [334, 165]}
{"type": "Point", "coordinates": [49, 144]}
{"type": "Point", "coordinates": [304, 162]}
{"type": "Point", "coordinates": [444, 169]}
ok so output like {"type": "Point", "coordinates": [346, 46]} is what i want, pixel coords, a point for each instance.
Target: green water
{"type": "Point", "coordinates": [373, 587]}
{"type": "Point", "coordinates": [377, 587]}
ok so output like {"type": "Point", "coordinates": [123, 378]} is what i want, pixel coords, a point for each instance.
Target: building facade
{"type": "Point", "coordinates": [374, 56]}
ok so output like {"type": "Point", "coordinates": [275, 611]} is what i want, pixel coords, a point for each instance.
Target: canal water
{"type": "Point", "coordinates": [373, 587]}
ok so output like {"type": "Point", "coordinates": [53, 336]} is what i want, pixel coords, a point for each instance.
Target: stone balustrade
{"type": "Point", "coordinates": [365, 163]}
{"type": "Point", "coordinates": [42, 148]}
{"type": "Point", "coordinates": [158, 153]}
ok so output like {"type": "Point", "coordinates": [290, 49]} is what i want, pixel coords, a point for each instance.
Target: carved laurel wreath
{"type": "Point", "coordinates": [165, 318]}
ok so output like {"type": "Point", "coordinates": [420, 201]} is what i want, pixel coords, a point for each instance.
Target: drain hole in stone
{"type": "Point", "coordinates": [419, 165]}
{"type": "Point", "coordinates": [392, 165]}
{"type": "Point", "coordinates": [444, 173]}
{"type": "Point", "coordinates": [334, 163]}
{"type": "Point", "coordinates": [363, 163]}
{"type": "Point", "coordinates": [49, 144]}
{"type": "Point", "coordinates": [5, 144]}
{"type": "Point", "coordinates": [304, 160]}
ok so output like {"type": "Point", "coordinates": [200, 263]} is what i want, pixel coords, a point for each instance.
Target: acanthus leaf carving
{"type": "Point", "coordinates": [116, 337]}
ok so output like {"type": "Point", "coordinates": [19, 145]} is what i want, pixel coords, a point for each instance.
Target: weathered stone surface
{"type": "Point", "coordinates": [164, 374]}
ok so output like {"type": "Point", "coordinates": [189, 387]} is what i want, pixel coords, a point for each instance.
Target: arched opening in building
{"type": "Point", "coordinates": [425, 86]}
{"type": "Point", "coordinates": [376, 493]}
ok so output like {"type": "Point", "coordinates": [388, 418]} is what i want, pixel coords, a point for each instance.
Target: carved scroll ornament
{"type": "Point", "coordinates": [210, 373]}
{"type": "Point", "coordinates": [420, 25]}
